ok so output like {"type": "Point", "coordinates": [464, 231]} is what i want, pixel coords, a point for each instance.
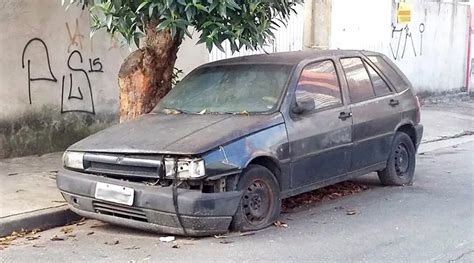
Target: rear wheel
{"type": "Point", "coordinates": [401, 162]}
{"type": "Point", "coordinates": [260, 203]}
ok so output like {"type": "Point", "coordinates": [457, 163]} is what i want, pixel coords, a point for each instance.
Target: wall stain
{"type": "Point", "coordinates": [47, 130]}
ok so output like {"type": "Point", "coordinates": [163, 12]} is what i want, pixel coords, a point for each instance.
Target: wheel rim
{"type": "Point", "coordinates": [257, 202]}
{"type": "Point", "coordinates": [402, 160]}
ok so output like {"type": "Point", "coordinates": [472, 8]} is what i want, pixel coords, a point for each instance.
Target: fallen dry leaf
{"type": "Point", "coordinates": [66, 230]}
{"type": "Point", "coordinates": [351, 212]}
{"type": "Point", "coordinates": [220, 236]}
{"type": "Point", "coordinates": [243, 234]}
{"type": "Point", "coordinates": [56, 238]}
{"type": "Point", "coordinates": [20, 233]}
{"type": "Point", "coordinates": [32, 237]}
{"type": "Point", "coordinates": [116, 242]}
{"type": "Point", "coordinates": [38, 246]}
{"type": "Point", "coordinates": [90, 233]}
{"type": "Point", "coordinates": [132, 248]}
{"type": "Point", "coordinates": [36, 230]}
{"type": "Point", "coordinates": [280, 224]}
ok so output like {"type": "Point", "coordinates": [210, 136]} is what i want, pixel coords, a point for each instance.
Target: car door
{"type": "Point", "coordinates": [374, 112]}
{"type": "Point", "coordinates": [320, 140]}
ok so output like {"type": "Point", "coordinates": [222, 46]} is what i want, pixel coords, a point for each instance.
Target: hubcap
{"type": "Point", "coordinates": [256, 202]}
{"type": "Point", "coordinates": [402, 160]}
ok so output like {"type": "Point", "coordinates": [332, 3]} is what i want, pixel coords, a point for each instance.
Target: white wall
{"type": "Point", "coordinates": [287, 38]}
{"type": "Point", "coordinates": [40, 112]}
{"type": "Point", "coordinates": [435, 55]}
{"type": "Point", "coordinates": [62, 32]}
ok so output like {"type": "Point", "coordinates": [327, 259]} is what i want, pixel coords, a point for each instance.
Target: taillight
{"type": "Point", "coordinates": [418, 111]}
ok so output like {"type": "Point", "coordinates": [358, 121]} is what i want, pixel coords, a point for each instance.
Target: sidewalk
{"type": "Point", "coordinates": [29, 198]}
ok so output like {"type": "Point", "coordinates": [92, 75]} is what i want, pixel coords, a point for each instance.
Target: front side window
{"type": "Point", "coordinates": [358, 81]}
{"type": "Point", "coordinates": [242, 88]}
{"type": "Point", "coordinates": [319, 81]}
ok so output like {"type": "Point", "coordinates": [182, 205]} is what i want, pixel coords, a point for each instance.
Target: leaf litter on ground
{"type": "Point", "coordinates": [6, 241]}
{"type": "Point", "coordinates": [323, 194]}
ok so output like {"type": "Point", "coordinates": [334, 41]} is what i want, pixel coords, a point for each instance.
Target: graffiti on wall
{"type": "Point", "coordinates": [75, 93]}
{"type": "Point", "coordinates": [74, 82]}
{"type": "Point", "coordinates": [39, 77]}
{"type": "Point", "coordinates": [76, 87]}
{"type": "Point", "coordinates": [407, 40]}
{"type": "Point", "coordinates": [75, 37]}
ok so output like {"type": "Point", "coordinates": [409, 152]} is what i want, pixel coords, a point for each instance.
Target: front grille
{"type": "Point", "coordinates": [134, 168]}
{"type": "Point", "coordinates": [119, 211]}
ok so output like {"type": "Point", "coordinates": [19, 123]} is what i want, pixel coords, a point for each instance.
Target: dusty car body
{"type": "Point", "coordinates": [188, 172]}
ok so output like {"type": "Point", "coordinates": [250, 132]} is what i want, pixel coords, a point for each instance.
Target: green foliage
{"type": "Point", "coordinates": [244, 23]}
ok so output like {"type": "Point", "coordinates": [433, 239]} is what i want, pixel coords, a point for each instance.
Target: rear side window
{"type": "Point", "coordinates": [319, 81]}
{"type": "Point", "coordinates": [358, 81]}
{"type": "Point", "coordinates": [388, 71]}
{"type": "Point", "coordinates": [380, 86]}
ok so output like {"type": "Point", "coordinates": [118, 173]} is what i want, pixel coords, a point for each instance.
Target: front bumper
{"type": "Point", "coordinates": [153, 208]}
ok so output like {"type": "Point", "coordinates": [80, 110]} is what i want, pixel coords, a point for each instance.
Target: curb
{"type": "Point", "coordinates": [42, 219]}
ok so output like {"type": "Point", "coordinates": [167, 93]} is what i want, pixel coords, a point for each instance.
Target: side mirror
{"type": "Point", "coordinates": [304, 105]}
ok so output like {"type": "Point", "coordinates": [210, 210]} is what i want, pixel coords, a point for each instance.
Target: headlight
{"type": "Point", "coordinates": [74, 160]}
{"type": "Point", "coordinates": [186, 168]}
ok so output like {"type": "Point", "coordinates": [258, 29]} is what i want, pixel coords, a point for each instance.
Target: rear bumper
{"type": "Point", "coordinates": [419, 134]}
{"type": "Point", "coordinates": [153, 208]}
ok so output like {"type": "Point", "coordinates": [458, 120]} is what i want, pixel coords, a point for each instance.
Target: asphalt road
{"type": "Point", "coordinates": [430, 221]}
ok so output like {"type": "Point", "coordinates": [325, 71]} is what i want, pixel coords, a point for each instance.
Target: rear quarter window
{"type": "Point", "coordinates": [392, 75]}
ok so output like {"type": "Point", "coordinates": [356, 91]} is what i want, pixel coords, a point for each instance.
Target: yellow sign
{"type": "Point", "coordinates": [403, 13]}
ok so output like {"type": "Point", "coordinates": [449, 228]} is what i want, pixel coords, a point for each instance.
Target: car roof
{"type": "Point", "coordinates": [290, 58]}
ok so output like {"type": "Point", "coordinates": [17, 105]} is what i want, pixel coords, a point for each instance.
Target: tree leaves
{"type": "Point", "coordinates": [244, 23]}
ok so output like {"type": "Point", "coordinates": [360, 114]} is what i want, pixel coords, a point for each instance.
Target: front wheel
{"type": "Point", "coordinates": [401, 162]}
{"type": "Point", "coordinates": [260, 203]}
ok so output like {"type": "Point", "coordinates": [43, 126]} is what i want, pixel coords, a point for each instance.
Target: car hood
{"type": "Point", "coordinates": [175, 134]}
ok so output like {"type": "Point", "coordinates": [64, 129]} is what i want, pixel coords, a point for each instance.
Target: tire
{"type": "Point", "coordinates": [260, 203]}
{"type": "Point", "coordinates": [401, 162]}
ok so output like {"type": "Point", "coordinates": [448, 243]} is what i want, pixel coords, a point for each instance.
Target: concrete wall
{"type": "Point", "coordinates": [57, 85]}
{"type": "Point", "coordinates": [431, 49]}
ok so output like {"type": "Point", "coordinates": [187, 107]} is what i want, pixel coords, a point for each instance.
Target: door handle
{"type": "Point", "coordinates": [394, 102]}
{"type": "Point", "coordinates": [344, 115]}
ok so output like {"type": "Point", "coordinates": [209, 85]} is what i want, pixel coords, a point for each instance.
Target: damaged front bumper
{"type": "Point", "coordinates": [153, 208]}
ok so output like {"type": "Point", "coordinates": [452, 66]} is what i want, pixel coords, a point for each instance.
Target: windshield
{"type": "Point", "coordinates": [254, 88]}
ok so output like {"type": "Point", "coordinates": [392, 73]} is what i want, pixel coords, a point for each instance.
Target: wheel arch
{"type": "Point", "coordinates": [269, 162]}
{"type": "Point", "coordinates": [408, 129]}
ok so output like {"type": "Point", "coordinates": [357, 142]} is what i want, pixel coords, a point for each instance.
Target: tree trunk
{"type": "Point", "coordinates": [145, 75]}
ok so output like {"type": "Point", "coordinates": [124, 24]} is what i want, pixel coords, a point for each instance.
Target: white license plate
{"type": "Point", "coordinates": [114, 193]}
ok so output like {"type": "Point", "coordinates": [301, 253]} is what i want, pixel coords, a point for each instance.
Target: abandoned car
{"type": "Point", "coordinates": [236, 136]}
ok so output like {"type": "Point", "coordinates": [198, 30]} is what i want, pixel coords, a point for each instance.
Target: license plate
{"type": "Point", "coordinates": [114, 193]}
